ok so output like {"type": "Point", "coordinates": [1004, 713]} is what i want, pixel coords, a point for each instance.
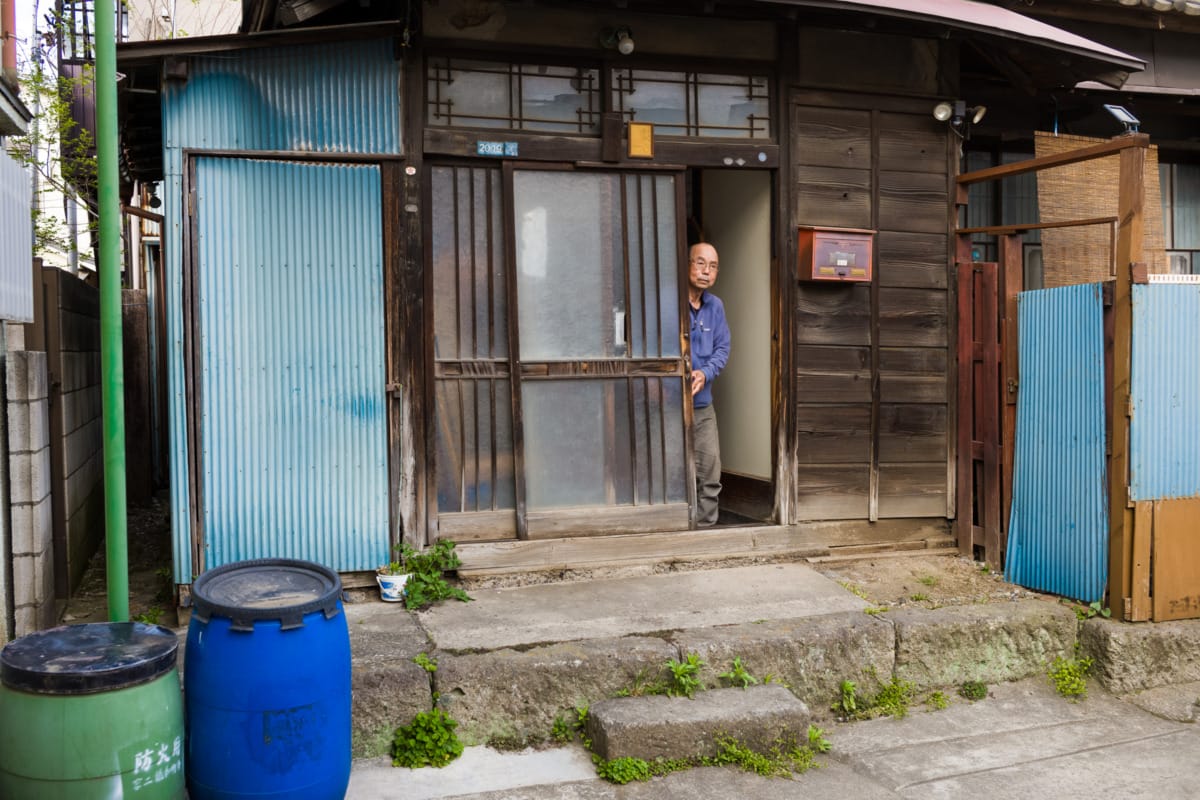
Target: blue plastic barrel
{"type": "Point", "coordinates": [267, 683]}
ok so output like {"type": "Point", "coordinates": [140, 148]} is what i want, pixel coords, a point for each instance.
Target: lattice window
{"type": "Point", "coordinates": [695, 103]}
{"type": "Point", "coordinates": [530, 97]}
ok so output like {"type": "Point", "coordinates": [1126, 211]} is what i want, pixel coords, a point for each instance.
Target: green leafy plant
{"type": "Point", "coordinates": [973, 690]}
{"type": "Point", "coordinates": [848, 699]}
{"type": "Point", "coordinates": [737, 674]}
{"type": "Point", "coordinates": [684, 678]}
{"type": "Point", "coordinates": [150, 616]}
{"type": "Point", "coordinates": [927, 580]}
{"type": "Point", "coordinates": [893, 699]}
{"type": "Point", "coordinates": [642, 685]}
{"type": "Point", "coordinates": [783, 758]}
{"type": "Point", "coordinates": [623, 770]}
{"type": "Point", "coordinates": [426, 662]}
{"type": "Point", "coordinates": [937, 701]}
{"type": "Point", "coordinates": [427, 574]}
{"type": "Point", "coordinates": [1069, 676]}
{"type": "Point", "coordinates": [817, 740]}
{"type": "Point", "coordinates": [429, 740]}
{"type": "Point", "coordinates": [918, 597]}
{"type": "Point", "coordinates": [1092, 609]}
{"type": "Point", "coordinates": [854, 589]}
{"type": "Point", "coordinates": [561, 730]}
{"type": "Point", "coordinates": [875, 610]}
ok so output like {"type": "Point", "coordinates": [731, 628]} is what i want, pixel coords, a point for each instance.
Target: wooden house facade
{"type": "Point", "coordinates": [426, 278]}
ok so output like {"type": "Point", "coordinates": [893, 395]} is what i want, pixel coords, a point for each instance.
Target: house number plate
{"type": "Point", "coordinates": [496, 149]}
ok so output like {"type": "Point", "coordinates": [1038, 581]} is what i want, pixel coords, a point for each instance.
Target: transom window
{"type": "Point", "coordinates": [549, 98]}
{"type": "Point", "coordinates": [523, 97]}
{"type": "Point", "coordinates": [695, 103]}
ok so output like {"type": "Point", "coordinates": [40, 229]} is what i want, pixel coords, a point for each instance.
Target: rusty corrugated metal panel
{"type": "Point", "coordinates": [16, 242]}
{"type": "Point", "coordinates": [282, 98]}
{"type": "Point", "coordinates": [1058, 529]}
{"type": "Point", "coordinates": [292, 395]}
{"type": "Point", "coordinates": [1164, 431]}
{"type": "Point", "coordinates": [335, 98]}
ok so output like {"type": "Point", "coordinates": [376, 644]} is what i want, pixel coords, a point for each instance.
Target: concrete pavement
{"type": "Point", "coordinates": [1022, 741]}
{"type": "Point", "coordinates": [516, 658]}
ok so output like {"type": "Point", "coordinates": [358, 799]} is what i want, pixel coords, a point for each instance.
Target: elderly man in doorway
{"type": "Point", "coordinates": [710, 350]}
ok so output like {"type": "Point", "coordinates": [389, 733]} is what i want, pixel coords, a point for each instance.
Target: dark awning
{"type": "Point", "coordinates": [1049, 55]}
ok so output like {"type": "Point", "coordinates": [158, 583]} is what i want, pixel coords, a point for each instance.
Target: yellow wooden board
{"type": "Point", "coordinates": [1176, 559]}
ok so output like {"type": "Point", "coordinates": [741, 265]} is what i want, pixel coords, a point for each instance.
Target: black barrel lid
{"type": "Point", "coordinates": [266, 589]}
{"type": "Point", "coordinates": [89, 658]}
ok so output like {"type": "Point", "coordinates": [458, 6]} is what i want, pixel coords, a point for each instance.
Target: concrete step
{"type": "Point", "coordinates": [657, 726]}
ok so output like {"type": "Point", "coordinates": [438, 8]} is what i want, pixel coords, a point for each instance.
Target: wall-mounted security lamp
{"type": "Point", "coordinates": [960, 117]}
{"type": "Point", "coordinates": [1124, 117]}
{"type": "Point", "coordinates": [619, 39]}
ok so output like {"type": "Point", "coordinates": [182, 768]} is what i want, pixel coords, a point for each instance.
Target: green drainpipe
{"type": "Point", "coordinates": [111, 367]}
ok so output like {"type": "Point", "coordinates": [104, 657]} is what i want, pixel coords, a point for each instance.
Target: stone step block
{"type": "Point", "coordinates": [657, 726]}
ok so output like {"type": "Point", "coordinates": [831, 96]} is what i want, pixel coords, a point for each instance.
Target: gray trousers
{"type": "Point", "coordinates": [708, 464]}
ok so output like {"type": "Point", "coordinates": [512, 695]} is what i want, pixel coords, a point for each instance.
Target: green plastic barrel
{"type": "Point", "coordinates": [91, 711]}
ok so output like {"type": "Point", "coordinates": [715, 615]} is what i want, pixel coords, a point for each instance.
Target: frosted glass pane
{"type": "Point", "coordinates": [604, 442]}
{"type": "Point", "coordinates": [733, 105]}
{"type": "Point", "coordinates": [695, 104]}
{"type": "Point", "coordinates": [496, 94]}
{"type": "Point", "coordinates": [653, 96]}
{"type": "Point", "coordinates": [570, 265]}
{"type": "Point", "coordinates": [576, 443]}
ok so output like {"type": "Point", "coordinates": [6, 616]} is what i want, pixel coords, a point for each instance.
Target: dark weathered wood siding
{"type": "Point", "coordinates": [871, 360]}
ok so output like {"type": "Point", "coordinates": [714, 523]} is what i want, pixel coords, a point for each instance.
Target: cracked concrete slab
{"type": "Point", "coordinates": [561, 612]}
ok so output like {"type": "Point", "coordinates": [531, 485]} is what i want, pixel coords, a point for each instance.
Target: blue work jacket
{"type": "Point", "coordinates": [710, 343]}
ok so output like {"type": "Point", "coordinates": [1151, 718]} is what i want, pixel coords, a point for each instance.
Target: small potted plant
{"type": "Point", "coordinates": [391, 578]}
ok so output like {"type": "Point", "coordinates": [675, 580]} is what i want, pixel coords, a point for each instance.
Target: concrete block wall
{"type": "Point", "coordinates": [76, 368]}
{"type": "Point", "coordinates": [32, 531]}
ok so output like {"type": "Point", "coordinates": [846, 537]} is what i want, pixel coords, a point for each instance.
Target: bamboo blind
{"type": "Point", "coordinates": [1083, 191]}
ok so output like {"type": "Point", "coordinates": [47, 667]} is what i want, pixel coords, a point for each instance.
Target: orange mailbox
{"type": "Point", "coordinates": [839, 255]}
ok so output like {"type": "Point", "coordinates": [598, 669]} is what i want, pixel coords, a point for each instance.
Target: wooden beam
{"type": "Point", "coordinates": [1130, 209]}
{"type": "Point", "coordinates": [1137, 142]}
{"type": "Point", "coordinates": [1005, 230]}
{"type": "Point", "coordinates": [964, 479]}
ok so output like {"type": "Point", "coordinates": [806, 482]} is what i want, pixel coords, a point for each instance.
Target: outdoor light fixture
{"type": "Point", "coordinates": [1124, 117]}
{"type": "Point", "coordinates": [619, 39]}
{"type": "Point", "coordinates": [958, 115]}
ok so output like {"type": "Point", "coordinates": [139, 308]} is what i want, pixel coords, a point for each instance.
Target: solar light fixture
{"type": "Point", "coordinates": [1124, 117]}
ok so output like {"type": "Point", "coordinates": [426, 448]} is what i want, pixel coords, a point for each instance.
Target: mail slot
{"type": "Point", "coordinates": [837, 255]}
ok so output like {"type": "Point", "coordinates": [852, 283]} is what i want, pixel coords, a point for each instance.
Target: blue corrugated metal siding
{"type": "Point", "coordinates": [1058, 529]}
{"type": "Point", "coordinates": [1164, 431]}
{"type": "Point", "coordinates": [293, 422]}
{"type": "Point", "coordinates": [336, 98]}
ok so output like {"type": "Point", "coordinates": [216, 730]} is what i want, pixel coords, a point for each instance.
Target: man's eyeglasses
{"type": "Point", "coordinates": [702, 264]}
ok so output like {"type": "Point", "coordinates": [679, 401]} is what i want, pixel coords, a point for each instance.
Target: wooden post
{"type": "Point", "coordinates": [1012, 282]}
{"type": "Point", "coordinates": [1130, 208]}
